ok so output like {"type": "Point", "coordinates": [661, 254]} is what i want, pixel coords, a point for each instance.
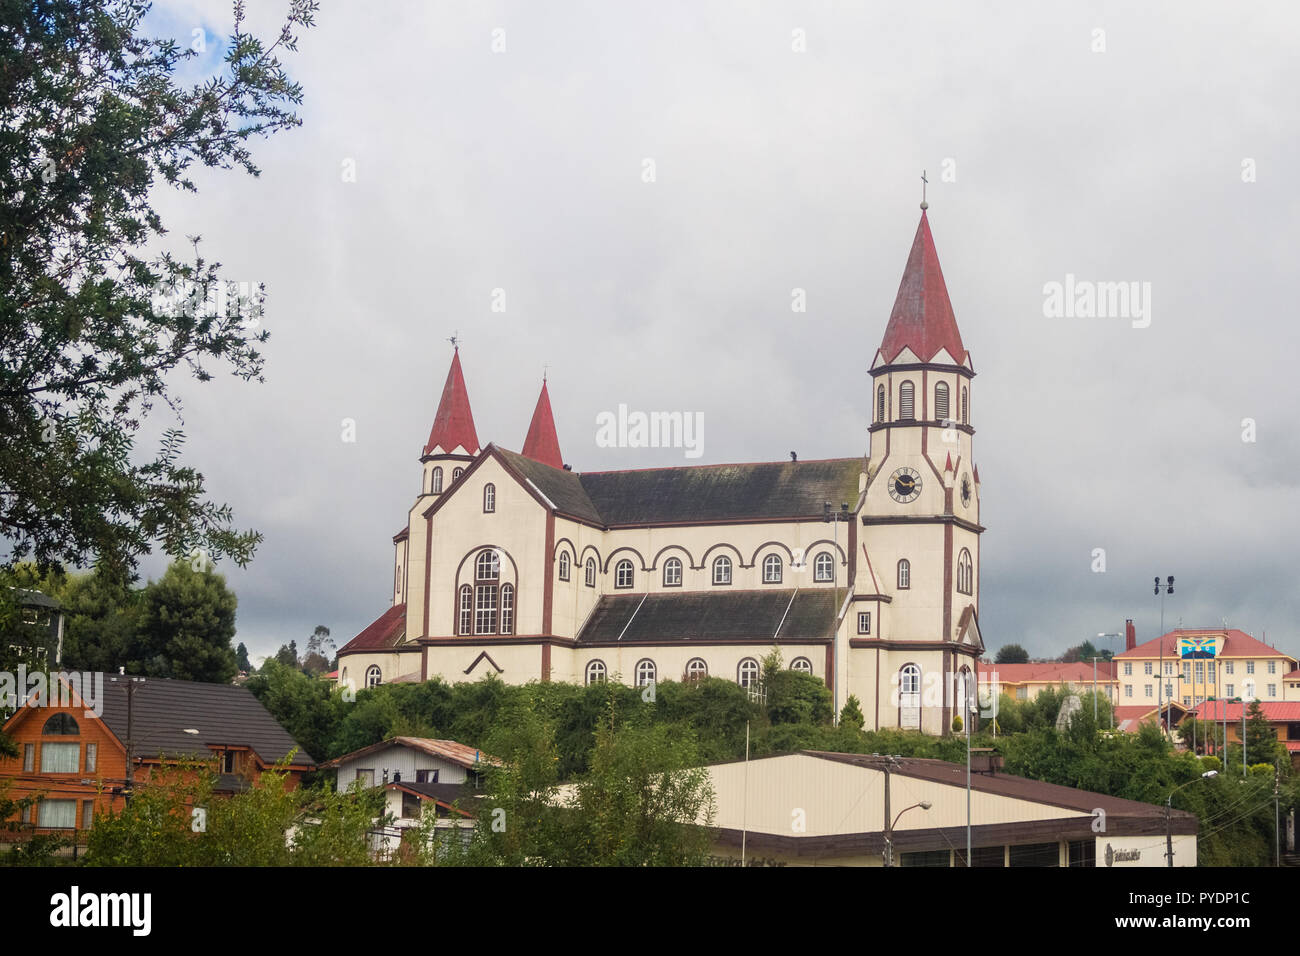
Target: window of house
{"type": "Point", "coordinates": [591, 572]}
{"type": "Point", "coordinates": [61, 725]}
{"type": "Point", "coordinates": [1128, 690]}
{"type": "Point", "coordinates": [489, 498]}
{"type": "Point", "coordinates": [880, 404]}
{"type": "Point", "coordinates": [645, 672]}
{"type": "Point", "coordinates": [60, 758]}
{"type": "Point", "coordinates": [374, 676]}
{"type": "Point", "coordinates": [1187, 701]}
{"type": "Point", "coordinates": [772, 569]}
{"type": "Point", "coordinates": [87, 814]}
{"type": "Point", "coordinates": [29, 758]}
{"type": "Point", "coordinates": [1022, 693]}
{"type": "Point", "coordinates": [747, 672]}
{"type": "Point", "coordinates": [595, 672]}
{"type": "Point", "coordinates": [864, 622]}
{"type": "Point", "coordinates": [906, 401]}
{"type": "Point", "coordinates": [722, 569]}
{"type": "Point", "coordinates": [564, 565]}
{"type": "Point", "coordinates": [1146, 668]}
{"type": "Point", "coordinates": [963, 406]}
{"type": "Point", "coordinates": [696, 668]}
{"type": "Point", "coordinates": [1187, 671]}
{"type": "Point", "coordinates": [623, 574]}
{"type": "Point", "coordinates": [673, 573]}
{"type": "Point", "coordinates": [92, 757]}
{"type": "Point", "coordinates": [227, 761]}
{"type": "Point", "coordinates": [941, 401]}
{"type": "Point", "coordinates": [1230, 690]}
{"type": "Point", "coordinates": [904, 574]}
{"type": "Point", "coordinates": [435, 484]}
{"type": "Point", "coordinates": [802, 665]}
{"type": "Point", "coordinates": [466, 608]}
{"type": "Point", "coordinates": [507, 608]}
{"type": "Point", "coordinates": [1128, 669]}
{"type": "Point", "coordinates": [485, 609]}
{"type": "Point", "coordinates": [1169, 691]}
{"type": "Point", "coordinates": [1272, 690]}
{"type": "Point", "coordinates": [965, 572]}
{"type": "Point", "coordinates": [487, 566]}
{"type": "Point", "coordinates": [1250, 667]}
{"type": "Point", "coordinates": [823, 567]}
{"type": "Point", "coordinates": [1209, 672]}
{"type": "Point", "coordinates": [1149, 690]}
{"type": "Point", "coordinates": [1272, 667]}
{"type": "Point", "coordinates": [57, 814]}
{"type": "Point", "coordinates": [456, 473]}
{"type": "Point", "coordinates": [909, 686]}
{"type": "Point", "coordinates": [426, 776]}
{"type": "Point", "coordinates": [366, 776]}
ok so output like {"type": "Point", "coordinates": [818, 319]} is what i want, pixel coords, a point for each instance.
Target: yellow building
{"type": "Point", "coordinates": [1199, 664]}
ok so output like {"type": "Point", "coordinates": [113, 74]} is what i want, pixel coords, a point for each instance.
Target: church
{"type": "Point", "coordinates": [861, 571]}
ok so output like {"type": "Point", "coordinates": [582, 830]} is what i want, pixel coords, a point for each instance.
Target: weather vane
{"type": "Point", "coordinates": [455, 340]}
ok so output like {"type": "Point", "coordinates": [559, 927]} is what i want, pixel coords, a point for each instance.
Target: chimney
{"type": "Point", "coordinates": [1130, 635]}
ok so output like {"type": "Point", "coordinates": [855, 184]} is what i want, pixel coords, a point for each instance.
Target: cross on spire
{"type": "Point", "coordinates": [924, 182]}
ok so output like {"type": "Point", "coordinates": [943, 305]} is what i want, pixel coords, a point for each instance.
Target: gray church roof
{"type": "Point", "coordinates": [710, 616]}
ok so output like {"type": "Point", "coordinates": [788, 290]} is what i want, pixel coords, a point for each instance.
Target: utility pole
{"type": "Point", "coordinates": [889, 830]}
{"type": "Point", "coordinates": [1162, 720]}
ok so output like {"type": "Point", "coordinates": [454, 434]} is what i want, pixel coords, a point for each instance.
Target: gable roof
{"type": "Point", "coordinates": [1236, 643]}
{"type": "Point", "coordinates": [451, 751]}
{"type": "Point", "coordinates": [702, 617]}
{"type": "Point", "coordinates": [922, 319]}
{"type": "Point", "coordinates": [453, 425]}
{"type": "Point", "coordinates": [1274, 710]}
{"type": "Point", "coordinates": [542, 444]}
{"type": "Point", "coordinates": [223, 714]}
{"type": "Point", "coordinates": [736, 492]}
{"type": "Point", "coordinates": [387, 630]}
{"type": "Point", "coordinates": [562, 488]}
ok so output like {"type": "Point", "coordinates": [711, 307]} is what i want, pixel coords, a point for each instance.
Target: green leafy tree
{"type": "Point", "coordinates": [1012, 654]}
{"type": "Point", "coordinates": [287, 655]}
{"type": "Point", "coordinates": [1261, 737]}
{"type": "Point", "coordinates": [187, 619]}
{"type": "Point", "coordinates": [94, 121]}
{"type": "Point", "coordinates": [102, 627]}
{"type": "Point", "coordinates": [241, 658]}
{"type": "Point", "coordinates": [320, 652]}
{"type": "Point", "coordinates": [308, 709]}
{"type": "Point", "coordinates": [851, 714]}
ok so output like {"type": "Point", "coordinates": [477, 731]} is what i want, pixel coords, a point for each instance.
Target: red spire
{"type": "Point", "coordinates": [922, 319]}
{"type": "Point", "coordinates": [542, 444]}
{"type": "Point", "coordinates": [454, 423]}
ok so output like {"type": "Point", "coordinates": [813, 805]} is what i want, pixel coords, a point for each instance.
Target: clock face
{"type": "Point", "coordinates": [965, 489]}
{"type": "Point", "coordinates": [905, 485]}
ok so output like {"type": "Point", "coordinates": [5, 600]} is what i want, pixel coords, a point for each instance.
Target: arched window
{"type": "Point", "coordinates": [941, 401]}
{"type": "Point", "coordinates": [466, 609]}
{"type": "Point", "coordinates": [435, 485]}
{"type": "Point", "coordinates": [61, 725]}
{"type": "Point", "coordinates": [722, 569]}
{"type": "Point", "coordinates": [906, 401]}
{"type": "Point", "coordinates": [487, 566]}
{"type": "Point", "coordinates": [456, 473]}
{"type": "Point", "coordinates": [823, 567]}
{"type": "Point", "coordinates": [772, 569]}
{"type": "Point", "coordinates": [564, 565]}
{"type": "Point", "coordinates": [904, 574]}
{"type": "Point", "coordinates": [489, 498]}
{"type": "Point", "coordinates": [374, 677]}
{"type": "Point", "coordinates": [595, 672]}
{"type": "Point", "coordinates": [802, 665]}
{"type": "Point", "coordinates": [591, 572]}
{"type": "Point", "coordinates": [965, 572]}
{"type": "Point", "coordinates": [673, 573]}
{"type": "Point", "coordinates": [909, 686]}
{"type": "Point", "coordinates": [344, 678]}
{"type": "Point", "coordinates": [696, 668]}
{"type": "Point", "coordinates": [645, 672]}
{"type": "Point", "coordinates": [747, 672]}
{"type": "Point", "coordinates": [880, 404]}
{"type": "Point", "coordinates": [963, 406]}
{"type": "Point", "coordinates": [507, 609]}
{"type": "Point", "coordinates": [623, 574]}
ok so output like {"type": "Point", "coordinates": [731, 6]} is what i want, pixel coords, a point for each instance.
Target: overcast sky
{"type": "Point", "coordinates": [1051, 149]}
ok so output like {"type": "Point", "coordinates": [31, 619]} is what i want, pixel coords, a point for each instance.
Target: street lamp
{"type": "Point", "coordinates": [889, 834]}
{"type": "Point", "coordinates": [1169, 585]}
{"type": "Point", "coordinates": [1169, 805]}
